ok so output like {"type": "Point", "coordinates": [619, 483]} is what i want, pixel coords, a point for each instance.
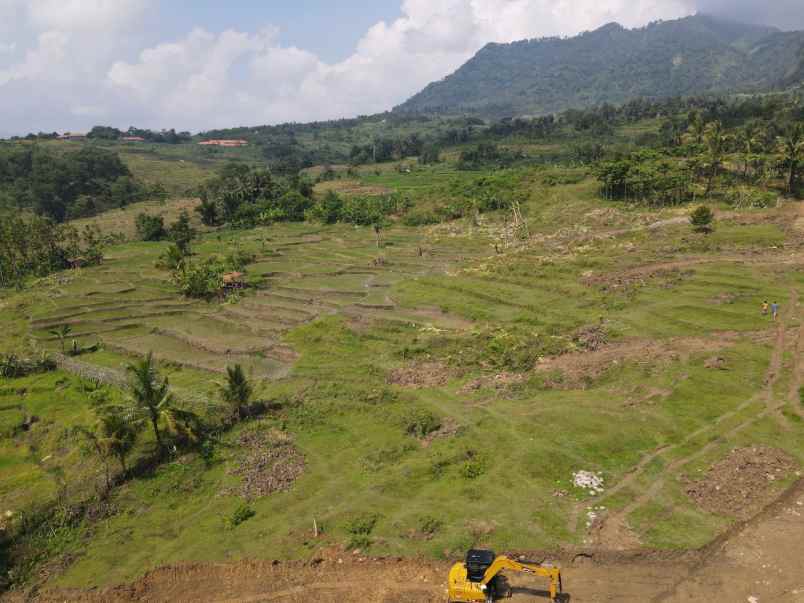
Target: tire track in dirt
{"type": "Point", "coordinates": [614, 530]}
{"type": "Point", "coordinates": [774, 371]}
{"type": "Point", "coordinates": [314, 592]}
{"type": "Point", "coordinates": [797, 376]}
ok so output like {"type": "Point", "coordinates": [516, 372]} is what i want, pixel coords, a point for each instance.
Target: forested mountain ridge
{"type": "Point", "coordinates": [690, 56]}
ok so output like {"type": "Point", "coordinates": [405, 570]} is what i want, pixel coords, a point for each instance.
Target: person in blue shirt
{"type": "Point", "coordinates": [774, 310]}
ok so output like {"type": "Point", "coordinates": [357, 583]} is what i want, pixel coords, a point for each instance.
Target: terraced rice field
{"type": "Point", "coordinates": [130, 308]}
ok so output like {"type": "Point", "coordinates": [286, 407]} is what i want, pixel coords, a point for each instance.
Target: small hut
{"type": "Point", "coordinates": [233, 281]}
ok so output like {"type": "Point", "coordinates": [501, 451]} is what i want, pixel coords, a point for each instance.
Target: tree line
{"type": "Point", "coordinates": [159, 136]}
{"type": "Point", "coordinates": [36, 246]}
{"type": "Point", "coordinates": [65, 185]}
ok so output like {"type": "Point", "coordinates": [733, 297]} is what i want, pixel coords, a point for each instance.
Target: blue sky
{"type": "Point", "coordinates": [330, 29]}
{"type": "Point", "coordinates": [66, 65]}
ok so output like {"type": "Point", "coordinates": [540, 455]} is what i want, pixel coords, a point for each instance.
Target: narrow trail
{"type": "Point", "coordinates": [797, 376]}
{"type": "Point", "coordinates": [613, 532]}
{"type": "Point", "coordinates": [776, 367]}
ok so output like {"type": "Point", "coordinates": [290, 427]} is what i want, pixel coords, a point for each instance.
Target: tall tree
{"type": "Point", "coordinates": [112, 435]}
{"type": "Point", "coordinates": [151, 395]}
{"type": "Point", "coordinates": [697, 127]}
{"type": "Point", "coordinates": [791, 150]}
{"type": "Point", "coordinates": [749, 142]}
{"type": "Point", "coordinates": [716, 141]}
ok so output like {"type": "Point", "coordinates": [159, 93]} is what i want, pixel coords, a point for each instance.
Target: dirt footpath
{"type": "Point", "coordinates": [759, 561]}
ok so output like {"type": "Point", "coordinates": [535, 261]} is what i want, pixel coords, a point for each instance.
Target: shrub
{"type": "Point", "coordinates": [181, 233]}
{"type": "Point", "coordinates": [199, 280]}
{"type": "Point", "coordinates": [420, 218]}
{"type": "Point", "coordinates": [428, 525]}
{"type": "Point", "coordinates": [514, 349]}
{"type": "Point", "coordinates": [292, 206]}
{"type": "Point", "coordinates": [430, 154]}
{"type": "Point", "coordinates": [242, 513]}
{"type": "Point", "coordinates": [239, 258]}
{"type": "Point", "coordinates": [419, 422]}
{"type": "Point", "coordinates": [328, 210]}
{"type": "Point", "coordinates": [472, 469]}
{"type": "Point", "coordinates": [13, 366]}
{"type": "Point", "coordinates": [171, 259]}
{"type": "Point", "coordinates": [701, 219]}
{"type": "Point", "coordinates": [150, 228]}
{"type": "Point", "coordinates": [360, 526]}
{"type": "Point", "coordinates": [744, 197]}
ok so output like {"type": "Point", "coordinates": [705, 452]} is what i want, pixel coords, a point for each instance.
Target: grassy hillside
{"type": "Point", "coordinates": [440, 390]}
{"type": "Point", "coordinates": [692, 56]}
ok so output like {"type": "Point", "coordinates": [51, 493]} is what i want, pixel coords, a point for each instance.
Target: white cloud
{"type": "Point", "coordinates": [85, 15]}
{"type": "Point", "coordinates": [75, 50]}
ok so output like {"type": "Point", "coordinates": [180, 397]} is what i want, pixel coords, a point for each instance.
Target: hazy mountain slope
{"type": "Point", "coordinates": [694, 55]}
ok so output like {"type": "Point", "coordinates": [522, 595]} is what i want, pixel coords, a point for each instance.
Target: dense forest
{"type": "Point", "coordinates": [64, 185]}
{"type": "Point", "coordinates": [691, 56]}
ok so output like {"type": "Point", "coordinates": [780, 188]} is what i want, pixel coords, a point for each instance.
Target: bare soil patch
{"type": "Point", "coordinates": [665, 276]}
{"type": "Point", "coordinates": [271, 464]}
{"type": "Point", "coordinates": [579, 369]}
{"type": "Point", "coordinates": [422, 374]}
{"type": "Point", "coordinates": [590, 338]}
{"type": "Point", "coordinates": [449, 427]}
{"type": "Point", "coordinates": [350, 187]}
{"type": "Point", "coordinates": [742, 483]}
{"type": "Point", "coordinates": [500, 381]}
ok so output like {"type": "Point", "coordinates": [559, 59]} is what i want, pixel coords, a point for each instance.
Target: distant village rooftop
{"type": "Point", "coordinates": [225, 142]}
{"type": "Point", "coordinates": [73, 136]}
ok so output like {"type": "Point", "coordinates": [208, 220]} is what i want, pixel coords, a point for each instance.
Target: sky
{"type": "Point", "coordinates": [66, 65]}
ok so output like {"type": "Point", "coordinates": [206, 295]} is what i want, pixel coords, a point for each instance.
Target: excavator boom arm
{"type": "Point", "coordinates": [504, 563]}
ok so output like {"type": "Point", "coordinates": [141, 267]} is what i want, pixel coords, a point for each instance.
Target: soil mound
{"type": "Point", "coordinates": [739, 484]}
{"type": "Point", "coordinates": [421, 374]}
{"type": "Point", "coordinates": [271, 464]}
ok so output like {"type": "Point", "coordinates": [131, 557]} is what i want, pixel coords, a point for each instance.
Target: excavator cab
{"type": "Point", "coordinates": [477, 562]}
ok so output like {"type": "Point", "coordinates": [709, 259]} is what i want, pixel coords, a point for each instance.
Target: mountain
{"type": "Point", "coordinates": [691, 56]}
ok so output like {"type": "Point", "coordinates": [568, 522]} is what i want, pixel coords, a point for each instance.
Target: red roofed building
{"type": "Point", "coordinates": [225, 143]}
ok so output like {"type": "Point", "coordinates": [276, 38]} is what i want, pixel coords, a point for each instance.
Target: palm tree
{"type": "Point", "coordinates": [112, 435]}
{"type": "Point", "coordinates": [716, 140]}
{"type": "Point", "coordinates": [121, 433]}
{"type": "Point", "coordinates": [63, 332]}
{"type": "Point", "coordinates": [750, 141]}
{"type": "Point", "coordinates": [151, 395]}
{"type": "Point", "coordinates": [791, 148]}
{"type": "Point", "coordinates": [697, 128]}
{"type": "Point", "coordinates": [237, 391]}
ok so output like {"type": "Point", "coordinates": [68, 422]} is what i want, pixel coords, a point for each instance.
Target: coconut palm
{"type": "Point", "coordinates": [791, 150]}
{"type": "Point", "coordinates": [151, 396]}
{"type": "Point", "coordinates": [716, 140]}
{"type": "Point", "coordinates": [63, 332]}
{"type": "Point", "coordinates": [696, 129]}
{"type": "Point", "coordinates": [112, 435]}
{"type": "Point", "coordinates": [236, 391]}
{"type": "Point", "coordinates": [750, 142]}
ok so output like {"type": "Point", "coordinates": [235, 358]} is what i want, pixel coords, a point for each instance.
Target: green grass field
{"type": "Point", "coordinates": [330, 319]}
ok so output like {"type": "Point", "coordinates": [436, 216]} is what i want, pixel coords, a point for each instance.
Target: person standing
{"type": "Point", "coordinates": [775, 310]}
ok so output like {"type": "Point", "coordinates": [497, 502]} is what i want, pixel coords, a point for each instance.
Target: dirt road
{"type": "Point", "coordinates": [759, 561]}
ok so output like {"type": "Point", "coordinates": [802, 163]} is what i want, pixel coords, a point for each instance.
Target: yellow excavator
{"type": "Point", "coordinates": [479, 579]}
